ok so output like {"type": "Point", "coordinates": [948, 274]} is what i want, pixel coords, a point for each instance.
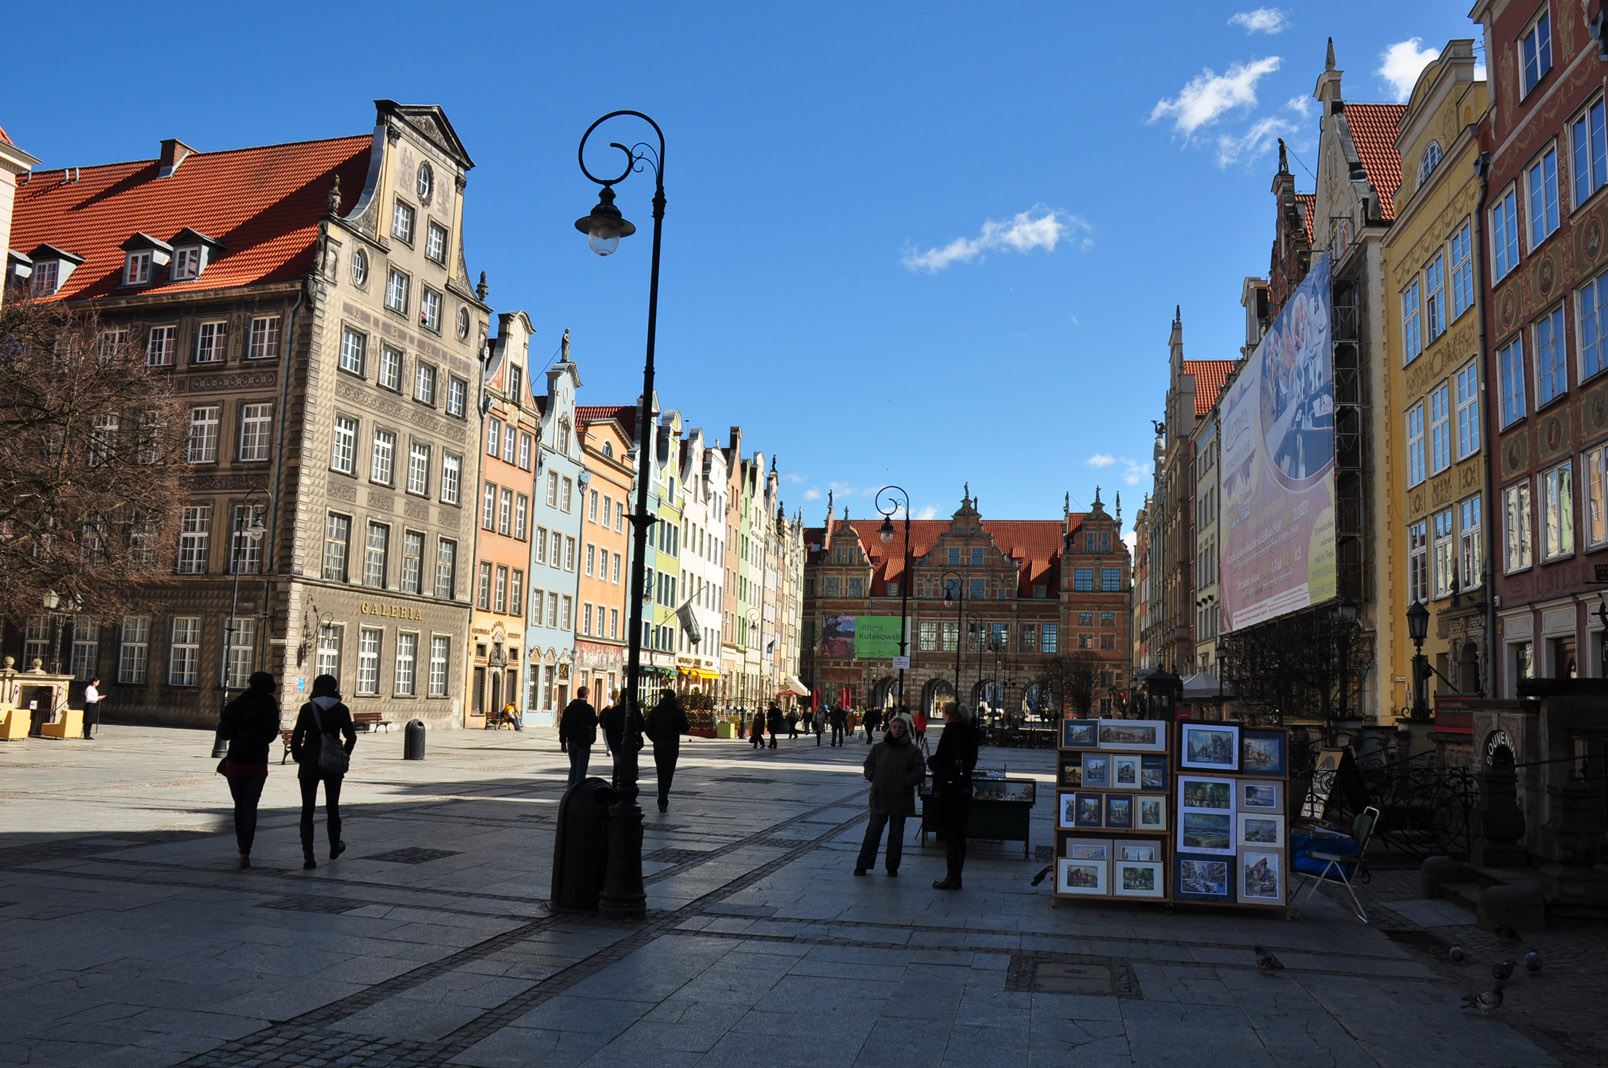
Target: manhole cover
{"type": "Point", "coordinates": [412, 856]}
{"type": "Point", "coordinates": [310, 903]}
{"type": "Point", "coordinates": [1068, 974]}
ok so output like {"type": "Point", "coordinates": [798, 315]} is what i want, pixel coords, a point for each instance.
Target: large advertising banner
{"type": "Point", "coordinates": [1278, 466]}
{"type": "Point", "coordinates": [860, 637]}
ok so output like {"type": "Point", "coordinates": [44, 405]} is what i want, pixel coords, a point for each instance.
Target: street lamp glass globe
{"type": "Point", "coordinates": [886, 530]}
{"type": "Point", "coordinates": [602, 244]}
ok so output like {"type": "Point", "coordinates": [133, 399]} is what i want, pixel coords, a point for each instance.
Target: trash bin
{"type": "Point", "coordinates": [413, 740]}
{"type": "Point", "coordinates": [580, 846]}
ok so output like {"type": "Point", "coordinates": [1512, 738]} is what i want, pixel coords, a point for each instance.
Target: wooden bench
{"type": "Point", "coordinates": [370, 721]}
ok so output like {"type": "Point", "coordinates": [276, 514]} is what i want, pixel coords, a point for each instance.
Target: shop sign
{"type": "Point", "coordinates": [392, 611]}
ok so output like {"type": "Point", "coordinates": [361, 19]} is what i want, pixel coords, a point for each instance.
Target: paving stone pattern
{"type": "Point", "coordinates": [129, 937]}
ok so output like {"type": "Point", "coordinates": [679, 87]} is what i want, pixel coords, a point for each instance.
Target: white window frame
{"type": "Point", "coordinates": [195, 529]}
{"type": "Point", "coordinates": [505, 512]}
{"type": "Point", "coordinates": [1443, 539]}
{"type": "Point", "coordinates": [451, 477]}
{"type": "Point", "coordinates": [407, 656]}
{"type": "Point", "coordinates": [403, 221]}
{"type": "Point", "coordinates": [430, 310]}
{"type": "Point", "coordinates": [1551, 358]}
{"type": "Point", "coordinates": [382, 457]}
{"type": "Point", "coordinates": [205, 423]}
{"type": "Point", "coordinates": [446, 570]}
{"type": "Point", "coordinates": [376, 555]}
{"type": "Point", "coordinates": [457, 397]}
{"type": "Point", "coordinates": [391, 361]}
{"type": "Point", "coordinates": [1418, 562]}
{"type": "Point", "coordinates": [134, 651]}
{"type": "Point", "coordinates": [1541, 185]}
{"type": "Point", "coordinates": [1510, 375]}
{"type": "Point", "coordinates": [256, 432]}
{"type": "Point", "coordinates": [1518, 543]}
{"type": "Point", "coordinates": [337, 547]}
{"type": "Point", "coordinates": [435, 242]}
{"type": "Point", "coordinates": [1412, 326]}
{"type": "Point", "coordinates": [397, 284]}
{"type": "Point", "coordinates": [1588, 140]}
{"type": "Point", "coordinates": [1440, 428]}
{"type": "Point", "coordinates": [1415, 445]}
{"type": "Point", "coordinates": [331, 636]}
{"type": "Point", "coordinates": [343, 449]}
{"type": "Point", "coordinates": [1435, 297]}
{"type": "Point", "coordinates": [186, 263]}
{"type": "Point", "coordinates": [412, 577]}
{"type": "Point", "coordinates": [1535, 52]}
{"type": "Point", "coordinates": [211, 339]}
{"type": "Point", "coordinates": [161, 342]}
{"type": "Point", "coordinates": [354, 350]}
{"type": "Point", "coordinates": [521, 516]}
{"type": "Point", "coordinates": [263, 338]}
{"type": "Point", "coordinates": [1470, 543]}
{"type": "Point", "coordinates": [419, 468]}
{"type": "Point", "coordinates": [440, 652]}
{"type": "Point", "coordinates": [1467, 399]}
{"type": "Point", "coordinates": [424, 383]}
{"type": "Point", "coordinates": [1505, 233]}
{"type": "Point", "coordinates": [184, 651]}
{"type": "Point", "coordinates": [1462, 271]}
{"type": "Point", "coordinates": [369, 642]}
{"type": "Point", "coordinates": [137, 268]}
{"type": "Point", "coordinates": [1557, 511]}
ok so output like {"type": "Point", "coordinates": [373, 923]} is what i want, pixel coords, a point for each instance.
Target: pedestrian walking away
{"type": "Point", "coordinates": [92, 700]}
{"type": "Point", "coordinates": [757, 732]}
{"type": "Point", "coordinates": [818, 724]}
{"type": "Point", "coordinates": [952, 765]}
{"type": "Point", "coordinates": [612, 722]}
{"type": "Point", "coordinates": [839, 719]}
{"type": "Point", "coordinates": [577, 730]}
{"type": "Point", "coordinates": [918, 727]}
{"type": "Point", "coordinates": [792, 723]}
{"type": "Point", "coordinates": [667, 722]}
{"type": "Point", "coordinates": [775, 722]}
{"type": "Point", "coordinates": [873, 720]}
{"type": "Point", "coordinates": [249, 723]}
{"type": "Point", "coordinates": [322, 757]}
{"type": "Point", "coordinates": [894, 770]}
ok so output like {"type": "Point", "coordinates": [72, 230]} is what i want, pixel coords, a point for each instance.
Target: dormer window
{"type": "Point", "coordinates": [51, 269]}
{"type": "Point", "coordinates": [192, 251]}
{"type": "Point", "coordinates": [143, 257]}
{"type": "Point", "coordinates": [186, 264]}
{"type": "Point", "coordinates": [137, 268]}
{"type": "Point", "coordinates": [45, 276]}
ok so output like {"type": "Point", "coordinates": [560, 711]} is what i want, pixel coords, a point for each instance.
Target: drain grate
{"type": "Point", "coordinates": [332, 906]}
{"type": "Point", "coordinates": [1061, 973]}
{"type": "Point", "coordinates": [412, 856]}
{"type": "Point", "coordinates": [676, 856]}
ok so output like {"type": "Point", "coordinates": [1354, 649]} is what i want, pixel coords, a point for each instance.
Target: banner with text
{"type": "Point", "coordinates": [860, 637]}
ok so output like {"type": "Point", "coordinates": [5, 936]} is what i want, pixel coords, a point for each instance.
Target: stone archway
{"type": "Point", "coordinates": [935, 694]}
{"type": "Point", "coordinates": [884, 692]}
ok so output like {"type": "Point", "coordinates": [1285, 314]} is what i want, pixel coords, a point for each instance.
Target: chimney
{"type": "Point", "coordinates": [174, 152]}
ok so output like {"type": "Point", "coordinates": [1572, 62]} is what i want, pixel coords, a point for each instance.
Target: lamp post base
{"type": "Point", "coordinates": [623, 897]}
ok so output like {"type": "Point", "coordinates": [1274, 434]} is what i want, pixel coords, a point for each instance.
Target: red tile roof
{"type": "Point", "coordinates": [624, 414]}
{"type": "Point", "coordinates": [1373, 131]}
{"type": "Point", "coordinates": [4, 140]}
{"type": "Point", "coordinates": [1309, 210]}
{"type": "Point", "coordinates": [261, 204]}
{"type": "Point", "coordinates": [1210, 377]}
{"type": "Point", "coordinates": [1035, 544]}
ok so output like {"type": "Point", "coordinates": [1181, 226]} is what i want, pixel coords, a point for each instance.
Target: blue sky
{"type": "Point", "coordinates": [925, 243]}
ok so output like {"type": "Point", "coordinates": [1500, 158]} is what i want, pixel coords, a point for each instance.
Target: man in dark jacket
{"type": "Point", "coordinates": [756, 733]}
{"type": "Point", "coordinates": [774, 722]}
{"type": "Point", "coordinates": [666, 724]}
{"type": "Point", "coordinates": [839, 719]}
{"type": "Point", "coordinates": [577, 730]}
{"type": "Point", "coordinates": [952, 764]}
{"type": "Point", "coordinates": [250, 724]}
{"type": "Point", "coordinates": [894, 769]}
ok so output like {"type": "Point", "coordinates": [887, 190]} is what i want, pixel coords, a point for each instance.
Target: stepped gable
{"type": "Point", "coordinates": [261, 204]}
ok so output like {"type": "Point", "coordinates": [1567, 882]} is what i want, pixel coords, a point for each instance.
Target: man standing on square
{"type": "Point", "coordinates": [92, 700]}
{"type": "Point", "coordinates": [577, 730]}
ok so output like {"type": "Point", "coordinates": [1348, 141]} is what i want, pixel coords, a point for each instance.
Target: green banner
{"type": "Point", "coordinates": [876, 637]}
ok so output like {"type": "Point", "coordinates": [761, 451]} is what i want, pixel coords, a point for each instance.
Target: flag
{"type": "Point", "coordinates": [771, 648]}
{"type": "Point", "coordinates": [689, 622]}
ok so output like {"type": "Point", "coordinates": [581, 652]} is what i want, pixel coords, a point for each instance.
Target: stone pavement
{"type": "Point", "coordinates": [128, 937]}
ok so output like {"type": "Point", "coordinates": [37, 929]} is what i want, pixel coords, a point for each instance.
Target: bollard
{"type": "Point", "coordinates": [413, 740]}
{"type": "Point", "coordinates": [580, 846]}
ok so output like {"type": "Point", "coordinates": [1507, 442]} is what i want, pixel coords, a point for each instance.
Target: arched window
{"type": "Point", "coordinates": [1431, 160]}
{"type": "Point", "coordinates": [564, 436]}
{"type": "Point", "coordinates": [608, 450]}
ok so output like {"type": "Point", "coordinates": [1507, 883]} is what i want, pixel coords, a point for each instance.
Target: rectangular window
{"type": "Point", "coordinates": [540, 545]}
{"type": "Point", "coordinates": [525, 443]}
{"type": "Point", "coordinates": [159, 346]}
{"type": "Point", "coordinates": [1593, 315]}
{"type": "Point", "coordinates": [1470, 544]}
{"type": "Point", "coordinates": [505, 512]}
{"type": "Point", "coordinates": [184, 651]}
{"type": "Point", "coordinates": [493, 435]}
{"type": "Point", "coordinates": [209, 342]}
{"type": "Point", "coordinates": [616, 572]}
{"type": "Point", "coordinates": [390, 368]}
{"type": "Point", "coordinates": [343, 454]}
{"type": "Point", "coordinates": [564, 614]}
{"type": "Point", "coordinates": [337, 538]}
{"type": "Point", "coordinates": [927, 636]}
{"type": "Point", "coordinates": [368, 661]}
{"type": "Point", "coordinates": [1442, 534]}
{"type": "Point", "coordinates": [1517, 544]}
{"type": "Point", "coordinates": [614, 622]}
{"type": "Point", "coordinates": [569, 554]}
{"type": "Point", "coordinates": [1415, 444]}
{"type": "Point", "coordinates": [245, 552]}
{"type": "Point", "coordinates": [488, 507]}
{"type": "Point", "coordinates": [402, 218]}
{"type": "Point", "coordinates": [186, 263]}
{"type": "Point", "coordinates": [407, 655]}
{"type": "Point", "coordinates": [516, 595]}
{"type": "Point", "coordinates": [329, 649]}
{"type": "Point", "coordinates": [1412, 330]}
{"type": "Point", "coordinates": [1535, 52]}
{"type": "Point", "coordinates": [591, 506]}
{"type": "Point", "coordinates": [516, 379]}
{"type": "Point", "coordinates": [451, 474]}
{"type": "Point", "coordinates": [1590, 145]}
{"type": "Point", "coordinates": [1596, 494]}
{"type": "Point", "coordinates": [240, 637]}
{"type": "Point", "coordinates": [134, 651]}
{"type": "Point", "coordinates": [263, 340]}
{"type": "Point", "coordinates": [555, 554]}
{"type": "Point", "coordinates": [137, 268]}
{"type": "Point", "coordinates": [1029, 638]}
{"type": "Point", "coordinates": [552, 610]}
{"type": "Point", "coordinates": [440, 644]}
{"type": "Point", "coordinates": [1462, 272]}
{"type": "Point", "coordinates": [510, 445]}
{"type": "Point", "coordinates": [569, 496]}
{"type": "Point", "coordinates": [521, 516]}
{"type": "Point", "coordinates": [446, 579]}
{"type": "Point", "coordinates": [382, 461]}
{"type": "Point", "coordinates": [1542, 179]}
{"type": "Point", "coordinates": [396, 291]}
{"type": "Point", "coordinates": [1435, 297]}
{"type": "Point", "coordinates": [435, 243]}
{"type": "Point", "coordinates": [419, 468]}
{"type": "Point", "coordinates": [256, 420]}
{"type": "Point", "coordinates": [457, 397]}
{"type": "Point", "coordinates": [86, 648]}
{"type": "Point", "coordinates": [1468, 410]}
{"type": "Point", "coordinates": [483, 586]}
{"type": "Point", "coordinates": [376, 551]}
{"type": "Point", "coordinates": [1110, 579]}
{"type": "Point", "coordinates": [203, 445]}
{"type": "Point", "coordinates": [1051, 642]}
{"type": "Point", "coordinates": [430, 313]}
{"type": "Point", "coordinates": [591, 559]}
{"type": "Point", "coordinates": [1083, 579]}
{"type": "Point", "coordinates": [1418, 562]}
{"type": "Point", "coordinates": [1510, 369]}
{"type": "Point", "coordinates": [1551, 361]}
{"type": "Point", "coordinates": [354, 350]}
{"type": "Point", "coordinates": [195, 524]}
{"type": "Point", "coordinates": [412, 562]}
{"type": "Point", "coordinates": [499, 592]}
{"type": "Point", "coordinates": [1505, 234]}
{"type": "Point", "coordinates": [1440, 429]}
{"type": "Point", "coordinates": [1557, 512]}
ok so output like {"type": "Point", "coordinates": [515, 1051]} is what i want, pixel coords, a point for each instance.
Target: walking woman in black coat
{"type": "Point", "coordinates": [324, 714]}
{"type": "Point", "coordinates": [249, 723]}
{"type": "Point", "coordinates": [952, 764]}
{"type": "Point", "coordinates": [666, 724]}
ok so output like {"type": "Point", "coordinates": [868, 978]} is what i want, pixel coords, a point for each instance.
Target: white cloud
{"type": "Point", "coordinates": [1262, 20]}
{"type": "Point", "coordinates": [793, 477]}
{"type": "Point", "coordinates": [1135, 472]}
{"type": "Point", "coordinates": [812, 494]}
{"type": "Point", "coordinates": [1402, 63]}
{"type": "Point", "coordinates": [1026, 231]}
{"type": "Point", "coordinates": [1301, 105]}
{"type": "Point", "coordinates": [929, 512]}
{"type": "Point", "coordinates": [1211, 96]}
{"type": "Point", "coordinates": [1102, 459]}
{"type": "Point", "coordinates": [1254, 143]}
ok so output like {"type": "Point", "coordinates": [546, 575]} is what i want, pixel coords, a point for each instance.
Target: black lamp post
{"type": "Point", "coordinates": [1418, 630]}
{"type": "Point", "coordinates": [1345, 616]}
{"type": "Point", "coordinates": [959, 597]}
{"type": "Point", "coordinates": [623, 896]}
{"type": "Point", "coordinates": [252, 532]}
{"type": "Point", "coordinates": [756, 619]}
{"type": "Point", "coordinates": [886, 533]}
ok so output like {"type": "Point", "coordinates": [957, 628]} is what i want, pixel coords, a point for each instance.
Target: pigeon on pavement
{"type": "Point", "coordinates": [1456, 954]}
{"type": "Point", "coordinates": [1486, 1002]}
{"type": "Point", "coordinates": [1532, 962]}
{"type": "Point", "coordinates": [1502, 970]}
{"type": "Point", "coordinates": [1505, 933]}
{"type": "Point", "coordinates": [1266, 962]}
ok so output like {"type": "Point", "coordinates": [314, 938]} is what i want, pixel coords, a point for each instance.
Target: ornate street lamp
{"type": "Point", "coordinates": [1418, 630]}
{"type": "Point", "coordinates": [623, 896]}
{"type": "Point", "coordinates": [959, 597]}
{"type": "Point", "coordinates": [886, 533]}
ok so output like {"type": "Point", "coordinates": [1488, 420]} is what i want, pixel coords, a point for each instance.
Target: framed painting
{"type": "Point", "coordinates": [1261, 830]}
{"type": "Point", "coordinates": [1150, 812]}
{"type": "Point", "coordinates": [1203, 878]}
{"type": "Point", "coordinates": [1089, 810]}
{"type": "Point", "coordinates": [1263, 753]}
{"type": "Point", "coordinates": [1137, 878]}
{"type": "Point", "coordinates": [1096, 770]}
{"type": "Point", "coordinates": [1072, 771]}
{"type": "Point", "coordinates": [1146, 850]}
{"type": "Point", "coordinates": [1206, 832]}
{"type": "Point", "coordinates": [1087, 849]}
{"type": "Point", "coordinates": [1199, 792]}
{"type": "Point", "coordinates": [1261, 877]}
{"type": "Point", "coordinates": [1153, 773]}
{"type": "Point", "coordinates": [1066, 810]}
{"type": "Point", "coordinates": [1080, 734]}
{"type": "Point", "coordinates": [1125, 772]}
{"type": "Point", "coordinates": [1261, 796]}
{"type": "Point", "coordinates": [1209, 746]}
{"type": "Point", "coordinates": [1146, 735]}
{"type": "Point", "coordinates": [1086, 877]}
{"type": "Point", "coordinates": [1119, 812]}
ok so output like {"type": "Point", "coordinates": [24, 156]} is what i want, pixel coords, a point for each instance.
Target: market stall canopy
{"type": "Point", "coordinates": [794, 687]}
{"type": "Point", "coordinates": [1202, 686]}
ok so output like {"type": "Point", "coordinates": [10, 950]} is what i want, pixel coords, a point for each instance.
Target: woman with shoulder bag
{"type": "Point", "coordinates": [249, 723]}
{"type": "Point", "coordinates": [321, 756]}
